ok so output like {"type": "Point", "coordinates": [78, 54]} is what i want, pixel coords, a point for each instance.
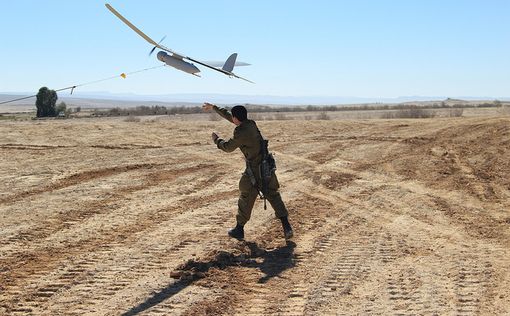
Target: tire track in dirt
{"type": "Point", "coordinates": [66, 219]}
{"type": "Point", "coordinates": [199, 184]}
{"type": "Point", "coordinates": [356, 261]}
{"type": "Point", "coordinates": [266, 291]}
{"type": "Point", "coordinates": [34, 146]}
{"type": "Point", "coordinates": [114, 238]}
{"type": "Point", "coordinates": [214, 272]}
{"type": "Point", "coordinates": [405, 292]}
{"type": "Point", "coordinates": [471, 284]}
{"type": "Point", "coordinates": [409, 289]}
{"type": "Point", "coordinates": [73, 274]}
{"type": "Point", "coordinates": [121, 270]}
{"type": "Point", "coordinates": [256, 292]}
{"type": "Point", "coordinates": [76, 179]}
{"type": "Point", "coordinates": [127, 146]}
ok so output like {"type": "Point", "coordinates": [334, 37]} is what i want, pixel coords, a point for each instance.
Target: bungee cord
{"type": "Point", "coordinates": [123, 75]}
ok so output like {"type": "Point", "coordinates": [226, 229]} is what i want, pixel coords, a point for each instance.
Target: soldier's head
{"type": "Point", "coordinates": [239, 113]}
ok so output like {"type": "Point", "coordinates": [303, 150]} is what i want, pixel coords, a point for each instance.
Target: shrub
{"type": "Point", "coordinates": [456, 112]}
{"type": "Point", "coordinates": [505, 109]}
{"type": "Point", "coordinates": [409, 113]}
{"type": "Point", "coordinates": [256, 117]}
{"type": "Point", "coordinates": [280, 117]}
{"type": "Point", "coordinates": [61, 108]}
{"type": "Point", "coordinates": [132, 118]}
{"type": "Point", "coordinates": [323, 116]}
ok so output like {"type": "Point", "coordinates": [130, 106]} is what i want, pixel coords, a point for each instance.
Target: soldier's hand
{"type": "Point", "coordinates": [207, 106]}
{"type": "Point", "coordinates": [214, 137]}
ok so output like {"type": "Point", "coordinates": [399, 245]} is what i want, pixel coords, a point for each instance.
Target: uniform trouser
{"type": "Point", "coordinates": [248, 195]}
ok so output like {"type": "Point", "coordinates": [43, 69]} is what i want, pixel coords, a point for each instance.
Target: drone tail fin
{"type": "Point", "coordinates": [230, 63]}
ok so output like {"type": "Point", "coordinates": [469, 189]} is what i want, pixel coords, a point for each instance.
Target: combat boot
{"type": "Point", "coordinates": [237, 232]}
{"type": "Point", "coordinates": [287, 229]}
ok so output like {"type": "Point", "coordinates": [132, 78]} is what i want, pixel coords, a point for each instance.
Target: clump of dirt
{"type": "Point", "coordinates": [243, 254]}
{"type": "Point", "coordinates": [333, 180]}
{"type": "Point", "coordinates": [215, 306]}
{"type": "Point", "coordinates": [197, 269]}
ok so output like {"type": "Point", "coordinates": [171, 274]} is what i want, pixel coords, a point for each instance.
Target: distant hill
{"type": "Point", "coordinates": [199, 98]}
{"type": "Point", "coordinates": [111, 100]}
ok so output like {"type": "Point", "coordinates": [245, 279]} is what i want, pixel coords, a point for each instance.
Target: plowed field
{"type": "Point", "coordinates": [391, 217]}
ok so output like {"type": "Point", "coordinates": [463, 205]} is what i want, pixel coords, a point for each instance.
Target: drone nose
{"type": "Point", "coordinates": [162, 56]}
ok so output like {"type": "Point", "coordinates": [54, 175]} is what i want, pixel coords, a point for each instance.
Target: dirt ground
{"type": "Point", "coordinates": [391, 217]}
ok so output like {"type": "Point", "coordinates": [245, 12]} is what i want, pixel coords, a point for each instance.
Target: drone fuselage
{"type": "Point", "coordinates": [177, 63]}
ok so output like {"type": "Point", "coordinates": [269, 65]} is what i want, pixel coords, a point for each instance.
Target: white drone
{"type": "Point", "coordinates": [177, 60]}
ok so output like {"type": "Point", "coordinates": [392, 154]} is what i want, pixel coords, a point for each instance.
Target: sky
{"type": "Point", "coordinates": [379, 48]}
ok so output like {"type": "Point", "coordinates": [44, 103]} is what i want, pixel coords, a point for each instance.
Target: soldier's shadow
{"type": "Point", "coordinates": [274, 262]}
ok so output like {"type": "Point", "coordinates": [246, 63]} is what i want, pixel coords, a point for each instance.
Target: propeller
{"type": "Point", "coordinates": [154, 48]}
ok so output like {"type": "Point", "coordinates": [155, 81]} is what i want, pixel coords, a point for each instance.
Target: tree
{"type": "Point", "coordinates": [45, 102]}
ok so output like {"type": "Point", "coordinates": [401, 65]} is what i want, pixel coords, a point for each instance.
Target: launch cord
{"type": "Point", "coordinates": [122, 75]}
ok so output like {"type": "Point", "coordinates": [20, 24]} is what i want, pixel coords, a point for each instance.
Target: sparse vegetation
{"type": "Point", "coordinates": [323, 116]}
{"type": "Point", "coordinates": [409, 113]}
{"type": "Point", "coordinates": [456, 112]}
{"type": "Point", "coordinates": [454, 108]}
{"type": "Point", "coordinates": [7, 117]}
{"type": "Point", "coordinates": [62, 110]}
{"type": "Point", "coordinates": [280, 117]}
{"type": "Point", "coordinates": [148, 110]}
{"type": "Point", "coordinates": [132, 119]}
{"type": "Point", "coordinates": [256, 116]}
{"type": "Point", "coordinates": [505, 110]}
{"type": "Point", "coordinates": [416, 112]}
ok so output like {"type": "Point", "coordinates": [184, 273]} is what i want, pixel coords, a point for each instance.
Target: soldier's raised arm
{"type": "Point", "coordinates": [221, 111]}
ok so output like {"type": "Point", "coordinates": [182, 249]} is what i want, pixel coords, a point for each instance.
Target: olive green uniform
{"type": "Point", "coordinates": [247, 139]}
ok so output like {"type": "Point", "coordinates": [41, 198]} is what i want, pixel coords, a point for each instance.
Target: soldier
{"type": "Point", "coordinates": [247, 138]}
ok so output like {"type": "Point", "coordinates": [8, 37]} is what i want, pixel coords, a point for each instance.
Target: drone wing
{"type": "Point", "coordinates": [228, 73]}
{"type": "Point", "coordinates": [142, 34]}
{"type": "Point", "coordinates": [221, 63]}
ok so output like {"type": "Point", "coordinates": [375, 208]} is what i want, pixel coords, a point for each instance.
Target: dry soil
{"type": "Point", "coordinates": [391, 217]}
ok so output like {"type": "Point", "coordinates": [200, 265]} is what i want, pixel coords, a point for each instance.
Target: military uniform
{"type": "Point", "coordinates": [247, 139]}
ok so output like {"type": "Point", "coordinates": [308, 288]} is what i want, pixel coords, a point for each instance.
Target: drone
{"type": "Point", "coordinates": [181, 61]}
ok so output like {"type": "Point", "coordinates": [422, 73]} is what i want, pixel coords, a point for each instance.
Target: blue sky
{"type": "Point", "coordinates": [296, 48]}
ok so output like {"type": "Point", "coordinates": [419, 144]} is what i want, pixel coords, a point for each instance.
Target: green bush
{"type": "Point", "coordinates": [61, 108]}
